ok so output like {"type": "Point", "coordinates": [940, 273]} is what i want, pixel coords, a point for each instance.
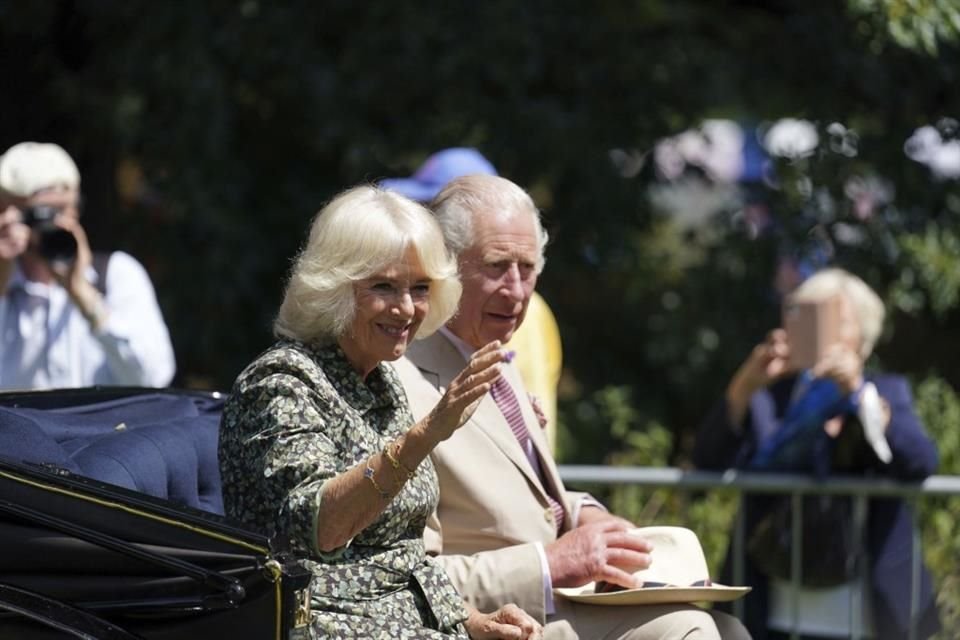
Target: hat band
{"type": "Point", "coordinates": [609, 587]}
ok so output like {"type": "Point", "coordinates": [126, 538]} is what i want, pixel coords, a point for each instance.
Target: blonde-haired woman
{"type": "Point", "coordinates": [807, 410]}
{"type": "Point", "coordinates": [318, 446]}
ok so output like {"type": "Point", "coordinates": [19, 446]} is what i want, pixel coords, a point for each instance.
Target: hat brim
{"type": "Point", "coordinates": [413, 189]}
{"type": "Point", "coordinates": [653, 595]}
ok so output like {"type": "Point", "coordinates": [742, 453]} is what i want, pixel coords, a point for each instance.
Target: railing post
{"type": "Point", "coordinates": [915, 561]}
{"type": "Point", "coordinates": [739, 536]}
{"type": "Point", "coordinates": [796, 561]}
{"type": "Point", "coordinates": [860, 586]}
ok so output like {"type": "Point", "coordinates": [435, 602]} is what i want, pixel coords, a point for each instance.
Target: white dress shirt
{"type": "Point", "coordinates": [45, 342]}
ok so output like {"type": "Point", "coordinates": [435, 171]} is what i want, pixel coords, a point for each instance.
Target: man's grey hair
{"type": "Point", "coordinates": [467, 196]}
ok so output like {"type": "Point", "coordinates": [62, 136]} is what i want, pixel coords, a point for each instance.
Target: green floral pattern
{"type": "Point", "coordinates": [298, 416]}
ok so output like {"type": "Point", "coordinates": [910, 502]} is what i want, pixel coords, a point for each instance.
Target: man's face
{"type": "Point", "coordinates": [67, 200]}
{"type": "Point", "coordinates": [498, 273]}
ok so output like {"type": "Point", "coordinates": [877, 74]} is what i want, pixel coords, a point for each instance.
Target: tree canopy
{"type": "Point", "coordinates": [209, 133]}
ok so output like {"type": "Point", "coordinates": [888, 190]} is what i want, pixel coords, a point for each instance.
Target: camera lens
{"type": "Point", "coordinates": [57, 245]}
{"type": "Point", "coordinates": [52, 242]}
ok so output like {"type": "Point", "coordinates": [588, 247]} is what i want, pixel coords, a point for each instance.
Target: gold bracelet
{"type": "Point", "coordinates": [395, 460]}
{"type": "Point", "coordinates": [395, 464]}
{"type": "Point", "coordinates": [368, 474]}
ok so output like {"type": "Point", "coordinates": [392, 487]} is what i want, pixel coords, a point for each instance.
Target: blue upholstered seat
{"type": "Point", "coordinates": [160, 444]}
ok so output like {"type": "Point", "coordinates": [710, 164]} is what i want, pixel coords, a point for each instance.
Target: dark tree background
{"type": "Point", "coordinates": [208, 134]}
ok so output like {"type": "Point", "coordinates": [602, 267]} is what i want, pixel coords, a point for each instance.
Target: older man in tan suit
{"type": "Point", "coordinates": [506, 529]}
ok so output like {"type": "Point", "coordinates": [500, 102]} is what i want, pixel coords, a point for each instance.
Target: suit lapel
{"type": "Point", "coordinates": [550, 474]}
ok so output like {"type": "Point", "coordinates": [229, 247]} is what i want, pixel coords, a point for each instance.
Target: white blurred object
{"type": "Point", "coordinates": [791, 138]}
{"type": "Point", "coordinates": [927, 146]}
{"type": "Point", "coordinates": [873, 419]}
{"type": "Point", "coordinates": [716, 147]}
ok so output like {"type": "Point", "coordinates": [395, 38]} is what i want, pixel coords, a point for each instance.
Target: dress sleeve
{"type": "Point", "coordinates": [277, 452]}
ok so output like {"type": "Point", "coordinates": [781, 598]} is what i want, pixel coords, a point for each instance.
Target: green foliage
{"type": "Point", "coordinates": [915, 24]}
{"type": "Point", "coordinates": [938, 406]}
{"type": "Point", "coordinates": [929, 277]}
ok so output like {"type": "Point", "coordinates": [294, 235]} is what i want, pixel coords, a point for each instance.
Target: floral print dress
{"type": "Point", "coordinates": [298, 416]}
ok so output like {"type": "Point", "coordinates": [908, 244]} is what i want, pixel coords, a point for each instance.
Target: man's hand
{"type": "Point", "coordinates": [72, 276]}
{"type": "Point", "coordinates": [14, 238]}
{"type": "Point", "coordinates": [843, 365]}
{"type": "Point", "coordinates": [601, 550]}
{"type": "Point", "coordinates": [767, 362]}
{"type": "Point", "coordinates": [14, 235]}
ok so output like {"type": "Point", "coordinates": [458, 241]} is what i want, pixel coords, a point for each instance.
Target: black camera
{"type": "Point", "coordinates": [52, 242]}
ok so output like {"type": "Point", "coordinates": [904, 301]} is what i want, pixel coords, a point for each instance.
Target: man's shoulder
{"type": "Point", "coordinates": [117, 259]}
{"type": "Point", "coordinates": [119, 268]}
{"type": "Point", "coordinates": [891, 386]}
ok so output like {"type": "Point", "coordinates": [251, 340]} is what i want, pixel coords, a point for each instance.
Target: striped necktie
{"type": "Point", "coordinates": [509, 406]}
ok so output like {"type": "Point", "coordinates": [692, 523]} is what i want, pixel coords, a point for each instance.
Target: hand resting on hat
{"type": "Point", "coordinates": [600, 549]}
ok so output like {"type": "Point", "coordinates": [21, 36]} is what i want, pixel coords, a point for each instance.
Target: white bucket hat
{"type": "Point", "coordinates": [677, 574]}
{"type": "Point", "coordinates": [29, 167]}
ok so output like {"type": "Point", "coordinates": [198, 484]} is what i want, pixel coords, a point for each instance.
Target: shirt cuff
{"type": "Point", "coordinates": [584, 501]}
{"type": "Point", "coordinates": [548, 606]}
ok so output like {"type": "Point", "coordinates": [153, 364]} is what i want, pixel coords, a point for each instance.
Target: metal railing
{"type": "Point", "coordinates": [860, 489]}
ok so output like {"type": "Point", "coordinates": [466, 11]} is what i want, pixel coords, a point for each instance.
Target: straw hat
{"type": "Point", "coordinates": [677, 574]}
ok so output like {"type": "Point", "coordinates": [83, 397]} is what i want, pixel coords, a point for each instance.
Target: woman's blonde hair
{"type": "Point", "coordinates": [360, 233]}
{"type": "Point", "coordinates": [867, 305]}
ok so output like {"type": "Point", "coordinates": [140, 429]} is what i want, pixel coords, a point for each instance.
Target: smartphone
{"type": "Point", "coordinates": [812, 328]}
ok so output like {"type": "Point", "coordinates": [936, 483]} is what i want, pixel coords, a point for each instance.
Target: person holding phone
{"type": "Point", "coordinates": [803, 402]}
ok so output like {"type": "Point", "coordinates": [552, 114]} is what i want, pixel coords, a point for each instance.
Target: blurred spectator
{"type": "Point", "coordinates": [536, 343]}
{"type": "Point", "coordinates": [439, 169]}
{"type": "Point", "coordinates": [802, 402]}
{"type": "Point", "coordinates": [69, 317]}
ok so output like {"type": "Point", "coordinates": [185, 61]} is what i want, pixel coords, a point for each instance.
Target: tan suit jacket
{"type": "Point", "coordinates": [493, 506]}
{"type": "Point", "coordinates": [493, 510]}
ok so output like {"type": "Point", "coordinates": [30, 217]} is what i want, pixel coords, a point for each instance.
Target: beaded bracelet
{"type": "Point", "coordinates": [368, 474]}
{"type": "Point", "coordinates": [395, 461]}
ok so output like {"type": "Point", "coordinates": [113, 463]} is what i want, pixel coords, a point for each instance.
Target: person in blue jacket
{"type": "Point", "coordinates": [830, 417]}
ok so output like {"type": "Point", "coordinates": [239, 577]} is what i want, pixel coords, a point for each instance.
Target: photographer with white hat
{"type": "Point", "coordinates": [66, 320]}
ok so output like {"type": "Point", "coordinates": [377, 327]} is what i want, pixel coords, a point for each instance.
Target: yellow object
{"type": "Point", "coordinates": [539, 359]}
